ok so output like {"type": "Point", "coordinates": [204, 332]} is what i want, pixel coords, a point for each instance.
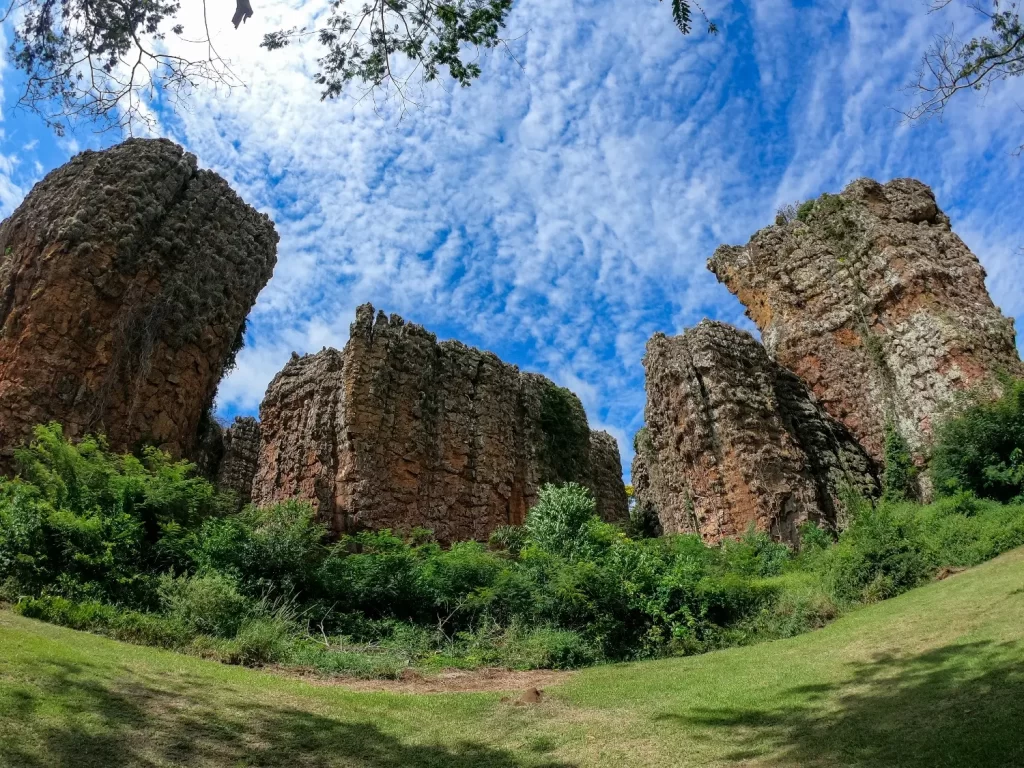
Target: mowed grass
{"type": "Point", "coordinates": [932, 678]}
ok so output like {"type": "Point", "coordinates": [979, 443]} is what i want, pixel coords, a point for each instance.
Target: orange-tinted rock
{"type": "Point", "coordinates": [733, 440]}
{"type": "Point", "coordinates": [125, 279]}
{"type": "Point", "coordinates": [872, 299]}
{"type": "Point", "coordinates": [399, 431]}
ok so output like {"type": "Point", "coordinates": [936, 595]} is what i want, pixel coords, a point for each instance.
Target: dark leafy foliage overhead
{"type": "Point", "coordinates": [953, 65]}
{"type": "Point", "coordinates": [105, 61]}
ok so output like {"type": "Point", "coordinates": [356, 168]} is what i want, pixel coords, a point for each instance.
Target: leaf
{"type": "Point", "coordinates": [682, 15]}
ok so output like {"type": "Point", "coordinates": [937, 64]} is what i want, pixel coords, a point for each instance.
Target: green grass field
{"type": "Point", "coordinates": [932, 678]}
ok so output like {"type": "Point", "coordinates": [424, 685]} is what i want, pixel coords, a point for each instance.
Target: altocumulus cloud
{"type": "Point", "coordinates": [561, 210]}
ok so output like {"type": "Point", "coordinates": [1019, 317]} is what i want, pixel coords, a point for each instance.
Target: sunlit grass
{"type": "Point", "coordinates": [932, 678]}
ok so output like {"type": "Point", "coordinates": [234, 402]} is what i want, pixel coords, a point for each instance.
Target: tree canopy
{"type": "Point", "coordinates": [952, 66]}
{"type": "Point", "coordinates": [105, 60]}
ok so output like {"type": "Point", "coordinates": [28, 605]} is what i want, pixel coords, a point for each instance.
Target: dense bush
{"type": "Point", "coordinates": [899, 478]}
{"type": "Point", "coordinates": [141, 550]}
{"type": "Point", "coordinates": [90, 525]}
{"type": "Point", "coordinates": [981, 450]}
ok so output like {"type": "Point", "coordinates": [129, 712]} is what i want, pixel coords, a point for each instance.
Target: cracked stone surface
{"type": "Point", "coordinates": [241, 449]}
{"type": "Point", "coordinates": [876, 303]}
{"type": "Point", "coordinates": [399, 431]}
{"type": "Point", "coordinates": [734, 440]}
{"type": "Point", "coordinates": [125, 280]}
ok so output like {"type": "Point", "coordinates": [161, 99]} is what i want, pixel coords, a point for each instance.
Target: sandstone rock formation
{"type": "Point", "coordinates": [399, 431]}
{"type": "Point", "coordinates": [871, 299]}
{"type": "Point", "coordinates": [125, 279]}
{"type": "Point", "coordinates": [241, 449]}
{"type": "Point", "coordinates": [733, 439]}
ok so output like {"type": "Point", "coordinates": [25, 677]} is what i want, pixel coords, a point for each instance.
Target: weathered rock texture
{"type": "Point", "coordinates": [399, 431]}
{"type": "Point", "coordinates": [241, 449]}
{"type": "Point", "coordinates": [872, 300]}
{"type": "Point", "coordinates": [733, 439]}
{"type": "Point", "coordinates": [125, 279]}
{"type": "Point", "coordinates": [606, 478]}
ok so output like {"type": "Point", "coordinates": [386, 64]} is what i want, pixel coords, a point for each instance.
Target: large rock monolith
{"type": "Point", "coordinates": [125, 280]}
{"type": "Point", "coordinates": [870, 298]}
{"type": "Point", "coordinates": [734, 441]}
{"type": "Point", "coordinates": [399, 431]}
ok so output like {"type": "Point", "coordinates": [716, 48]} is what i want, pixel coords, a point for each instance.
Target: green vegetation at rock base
{"type": "Point", "coordinates": [139, 549]}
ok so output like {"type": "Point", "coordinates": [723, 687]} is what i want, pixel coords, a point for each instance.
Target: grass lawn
{"type": "Point", "coordinates": [932, 678]}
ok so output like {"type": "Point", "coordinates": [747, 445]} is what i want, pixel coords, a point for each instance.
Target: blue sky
{"type": "Point", "coordinates": [560, 212]}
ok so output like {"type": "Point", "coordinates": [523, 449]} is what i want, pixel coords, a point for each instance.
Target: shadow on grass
{"type": "Point", "coordinates": [70, 719]}
{"type": "Point", "coordinates": [960, 706]}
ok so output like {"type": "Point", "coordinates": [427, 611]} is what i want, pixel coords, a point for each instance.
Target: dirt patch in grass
{"type": "Point", "coordinates": [947, 571]}
{"type": "Point", "coordinates": [488, 679]}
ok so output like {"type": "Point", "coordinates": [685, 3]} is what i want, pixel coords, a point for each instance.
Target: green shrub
{"type": "Point", "coordinates": [814, 538]}
{"type": "Point", "coordinates": [207, 605]}
{"type": "Point", "coordinates": [508, 538]}
{"type": "Point", "coordinates": [377, 575]}
{"type": "Point", "coordinates": [550, 648]}
{"type": "Point", "coordinates": [899, 478]}
{"type": "Point", "coordinates": [981, 449]}
{"type": "Point", "coordinates": [263, 640]}
{"type": "Point", "coordinates": [755, 554]}
{"type": "Point", "coordinates": [130, 549]}
{"type": "Point", "coordinates": [277, 548]}
{"type": "Point", "coordinates": [801, 603]}
{"type": "Point", "coordinates": [384, 664]}
{"type": "Point", "coordinates": [564, 521]}
{"type": "Point", "coordinates": [456, 580]}
{"type": "Point", "coordinates": [90, 615]}
{"type": "Point", "coordinates": [804, 210]}
{"type": "Point", "coordinates": [644, 522]}
{"type": "Point", "coordinates": [88, 524]}
{"type": "Point", "coordinates": [881, 554]}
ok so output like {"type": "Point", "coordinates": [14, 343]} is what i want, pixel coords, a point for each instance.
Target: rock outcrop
{"type": "Point", "coordinates": [870, 298]}
{"type": "Point", "coordinates": [606, 478]}
{"type": "Point", "coordinates": [732, 440]}
{"type": "Point", "coordinates": [241, 450]}
{"type": "Point", "coordinates": [125, 280]}
{"type": "Point", "coordinates": [399, 431]}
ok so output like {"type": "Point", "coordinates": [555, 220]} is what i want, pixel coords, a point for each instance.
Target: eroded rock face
{"type": "Point", "coordinates": [734, 440]}
{"type": "Point", "coordinates": [125, 280]}
{"type": "Point", "coordinates": [606, 478]}
{"type": "Point", "coordinates": [241, 449]}
{"type": "Point", "coordinates": [874, 302]}
{"type": "Point", "coordinates": [399, 431]}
